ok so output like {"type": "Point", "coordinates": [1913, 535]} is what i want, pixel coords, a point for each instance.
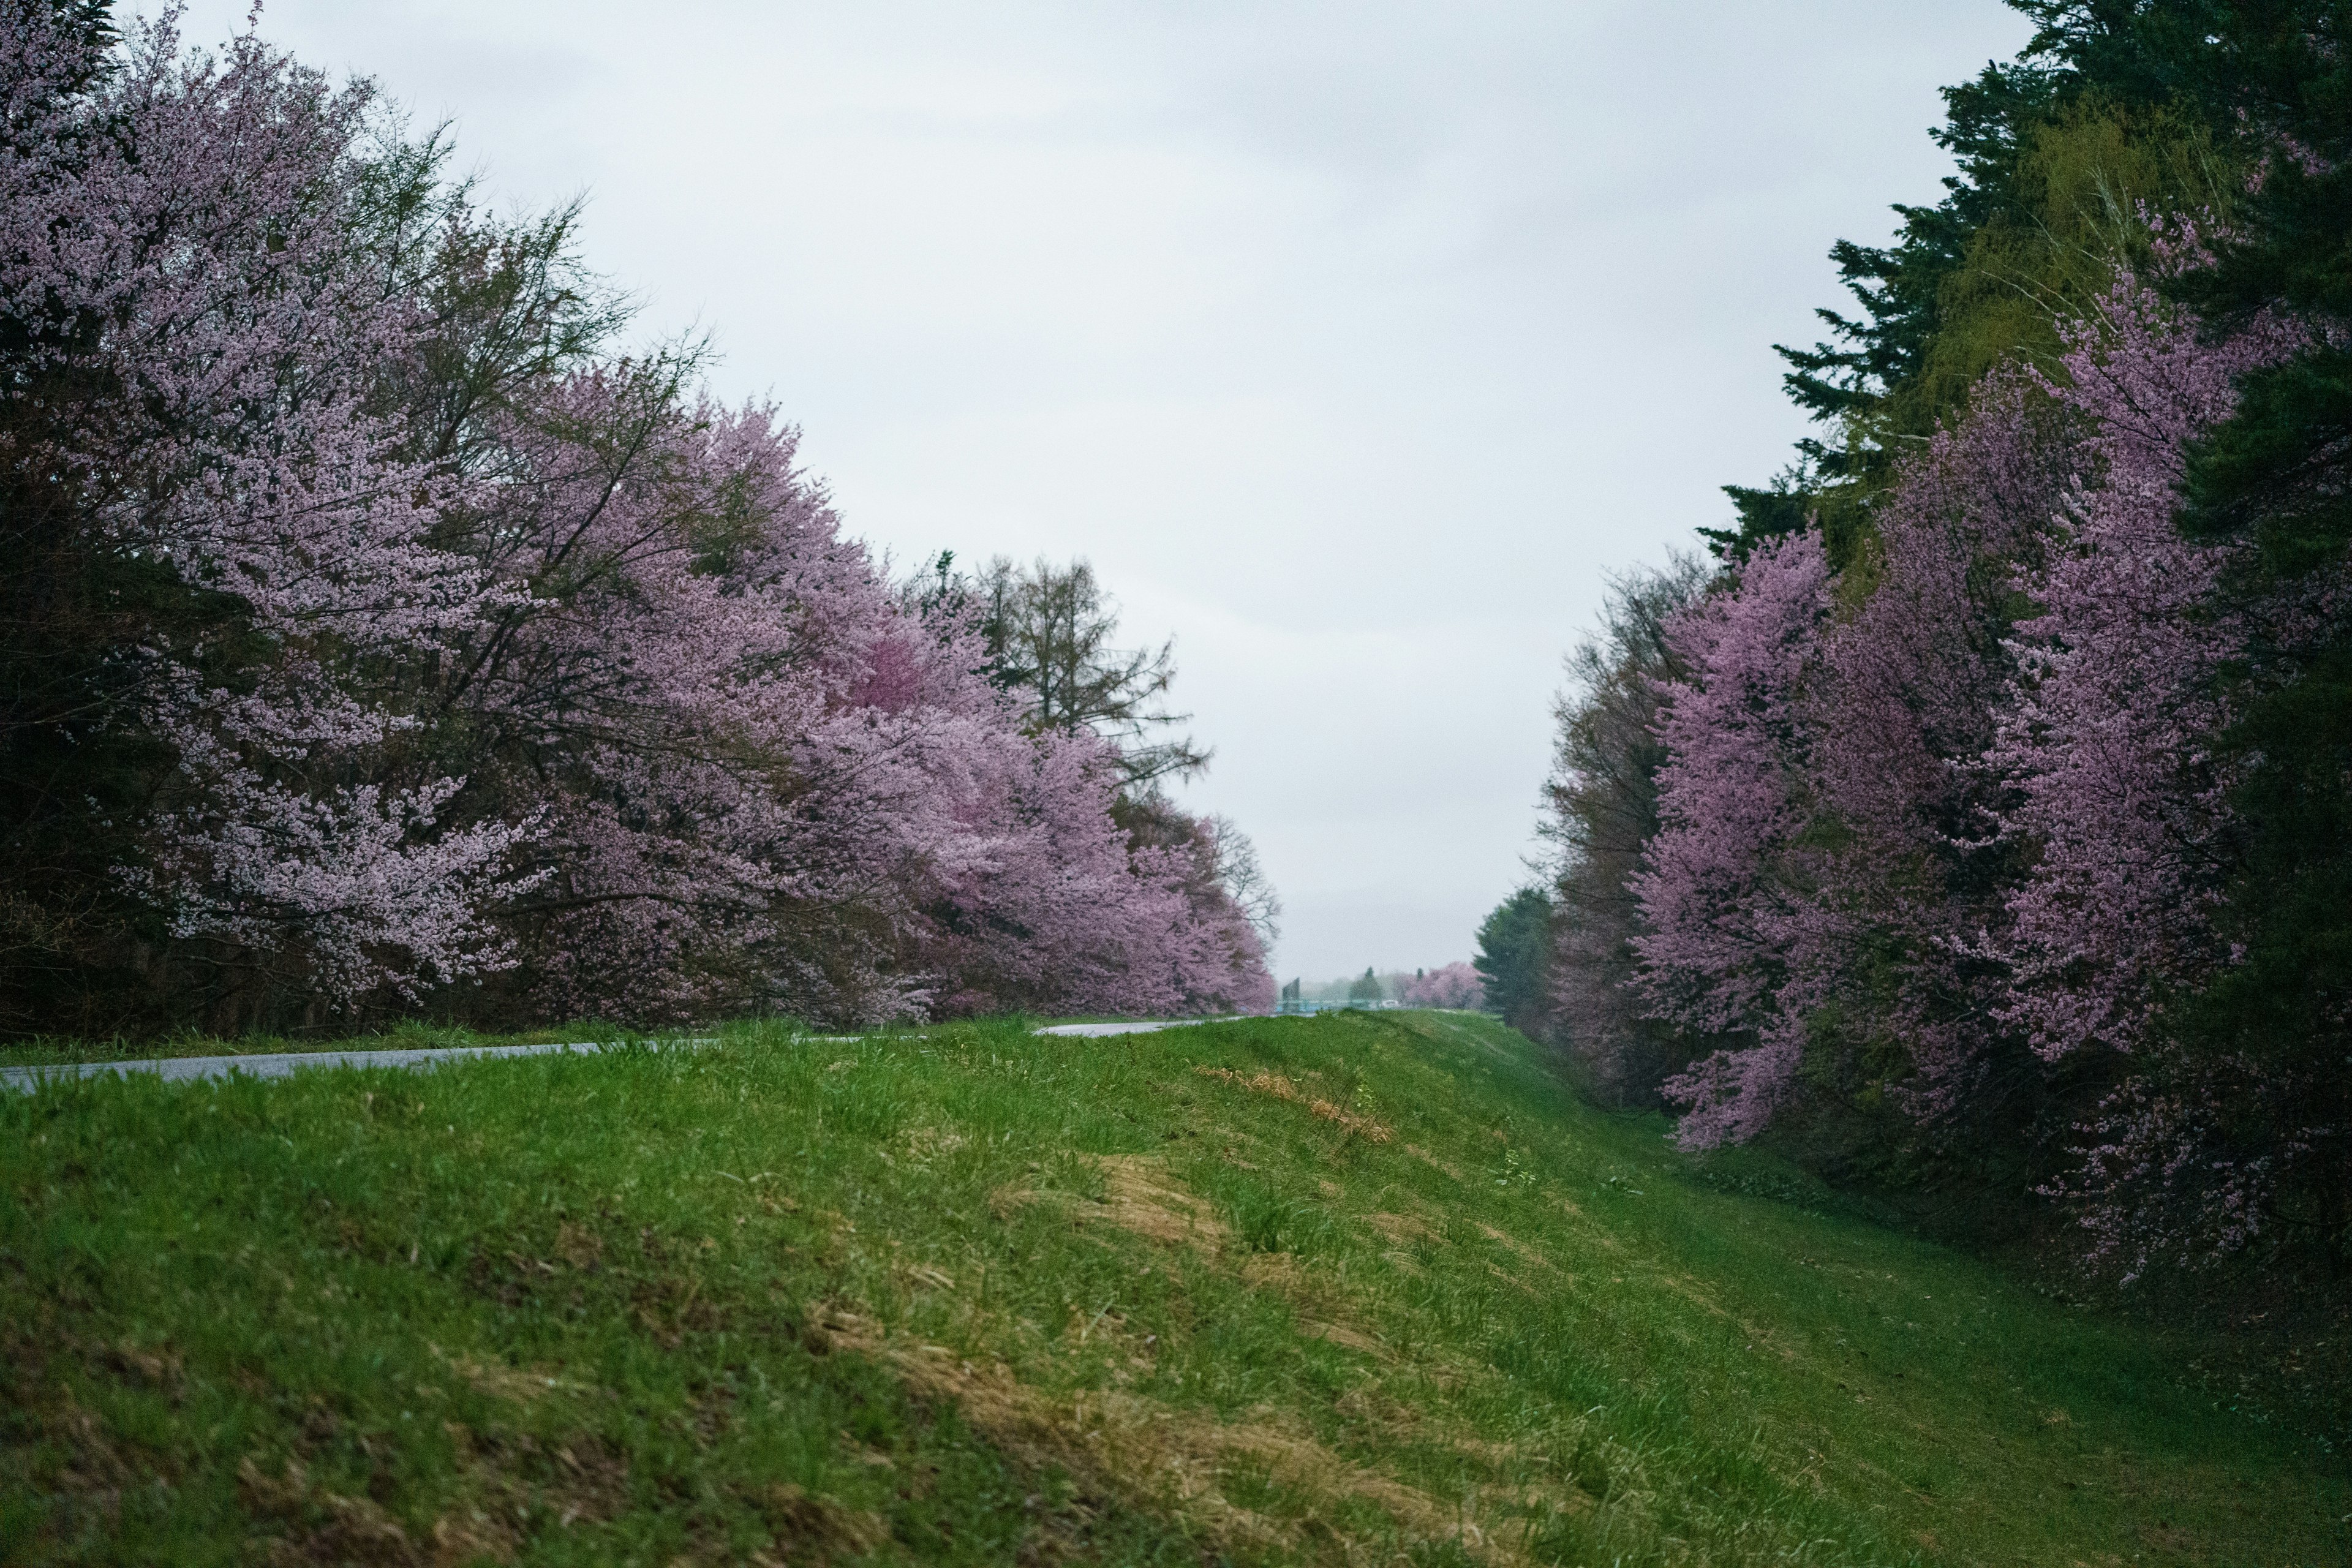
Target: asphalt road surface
{"type": "Point", "coordinates": [182, 1069]}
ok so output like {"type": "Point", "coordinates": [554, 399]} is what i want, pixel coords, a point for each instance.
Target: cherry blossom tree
{"type": "Point", "coordinates": [436, 654]}
{"type": "Point", "coordinates": [1971, 811]}
{"type": "Point", "coordinates": [1453, 985]}
{"type": "Point", "coordinates": [1913, 684]}
{"type": "Point", "coordinates": [193, 343]}
{"type": "Point", "coordinates": [765, 780]}
{"type": "Point", "coordinates": [2119, 690]}
{"type": "Point", "coordinates": [1729, 929]}
{"type": "Point", "coordinates": [2125, 797]}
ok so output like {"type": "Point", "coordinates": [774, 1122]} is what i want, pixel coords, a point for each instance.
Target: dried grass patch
{"type": "Point", "coordinates": [520, 1385]}
{"type": "Point", "coordinates": [1402, 1229]}
{"type": "Point", "coordinates": [1282, 1088]}
{"type": "Point", "coordinates": [1518, 1248]}
{"type": "Point", "coordinates": [1156, 1455]}
{"type": "Point", "coordinates": [1433, 1162]}
{"type": "Point", "coordinates": [1137, 1196]}
{"type": "Point", "coordinates": [1341, 1335]}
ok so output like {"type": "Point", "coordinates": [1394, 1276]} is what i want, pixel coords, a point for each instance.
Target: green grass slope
{"type": "Point", "coordinates": [1352, 1289]}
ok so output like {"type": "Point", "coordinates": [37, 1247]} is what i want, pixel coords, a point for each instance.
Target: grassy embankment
{"type": "Point", "coordinates": [1321, 1290]}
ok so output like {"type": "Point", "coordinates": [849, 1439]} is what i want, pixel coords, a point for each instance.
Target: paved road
{"type": "Point", "coordinates": [181, 1070]}
{"type": "Point", "coordinates": [175, 1069]}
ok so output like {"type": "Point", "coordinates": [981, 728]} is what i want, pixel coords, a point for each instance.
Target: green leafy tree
{"type": "Point", "coordinates": [1365, 987]}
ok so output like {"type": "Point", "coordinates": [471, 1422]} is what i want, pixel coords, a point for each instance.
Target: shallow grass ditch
{"type": "Point", "coordinates": [1350, 1288]}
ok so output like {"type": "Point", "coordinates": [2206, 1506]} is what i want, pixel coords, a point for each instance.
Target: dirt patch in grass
{"type": "Point", "coordinates": [819, 1525]}
{"type": "Point", "coordinates": [1445, 1167]}
{"type": "Point", "coordinates": [507, 1479]}
{"type": "Point", "coordinates": [318, 1524]}
{"type": "Point", "coordinates": [289, 1513]}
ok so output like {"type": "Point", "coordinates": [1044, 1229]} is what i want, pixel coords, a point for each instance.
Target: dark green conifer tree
{"type": "Point", "coordinates": [1514, 950]}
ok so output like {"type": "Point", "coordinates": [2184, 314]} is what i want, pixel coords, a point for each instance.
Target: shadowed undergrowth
{"type": "Point", "coordinates": [1327, 1289]}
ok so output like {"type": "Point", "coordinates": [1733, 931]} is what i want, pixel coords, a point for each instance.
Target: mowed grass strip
{"type": "Point", "coordinates": [1330, 1289]}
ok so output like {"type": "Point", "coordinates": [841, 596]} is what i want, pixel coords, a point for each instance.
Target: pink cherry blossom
{"type": "Point", "coordinates": [1455, 986]}
{"type": "Point", "coordinates": [1720, 888]}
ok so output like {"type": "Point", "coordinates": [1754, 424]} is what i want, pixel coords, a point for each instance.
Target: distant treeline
{"type": "Point", "coordinates": [1980, 818]}
{"type": "Point", "coordinates": [380, 636]}
{"type": "Point", "coordinates": [1448, 985]}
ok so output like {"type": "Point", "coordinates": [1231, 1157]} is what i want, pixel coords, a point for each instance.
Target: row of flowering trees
{"type": "Point", "coordinates": [1962, 824]}
{"type": "Point", "coordinates": [1972, 813]}
{"type": "Point", "coordinates": [1970, 825]}
{"type": "Point", "coordinates": [378, 636]}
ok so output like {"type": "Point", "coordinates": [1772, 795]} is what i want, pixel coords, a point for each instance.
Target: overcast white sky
{"type": "Point", "coordinates": [1353, 343]}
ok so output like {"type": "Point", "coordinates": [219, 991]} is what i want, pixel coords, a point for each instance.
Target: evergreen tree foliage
{"type": "Point", "coordinates": [2111, 109]}
{"type": "Point", "coordinates": [1513, 957]}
